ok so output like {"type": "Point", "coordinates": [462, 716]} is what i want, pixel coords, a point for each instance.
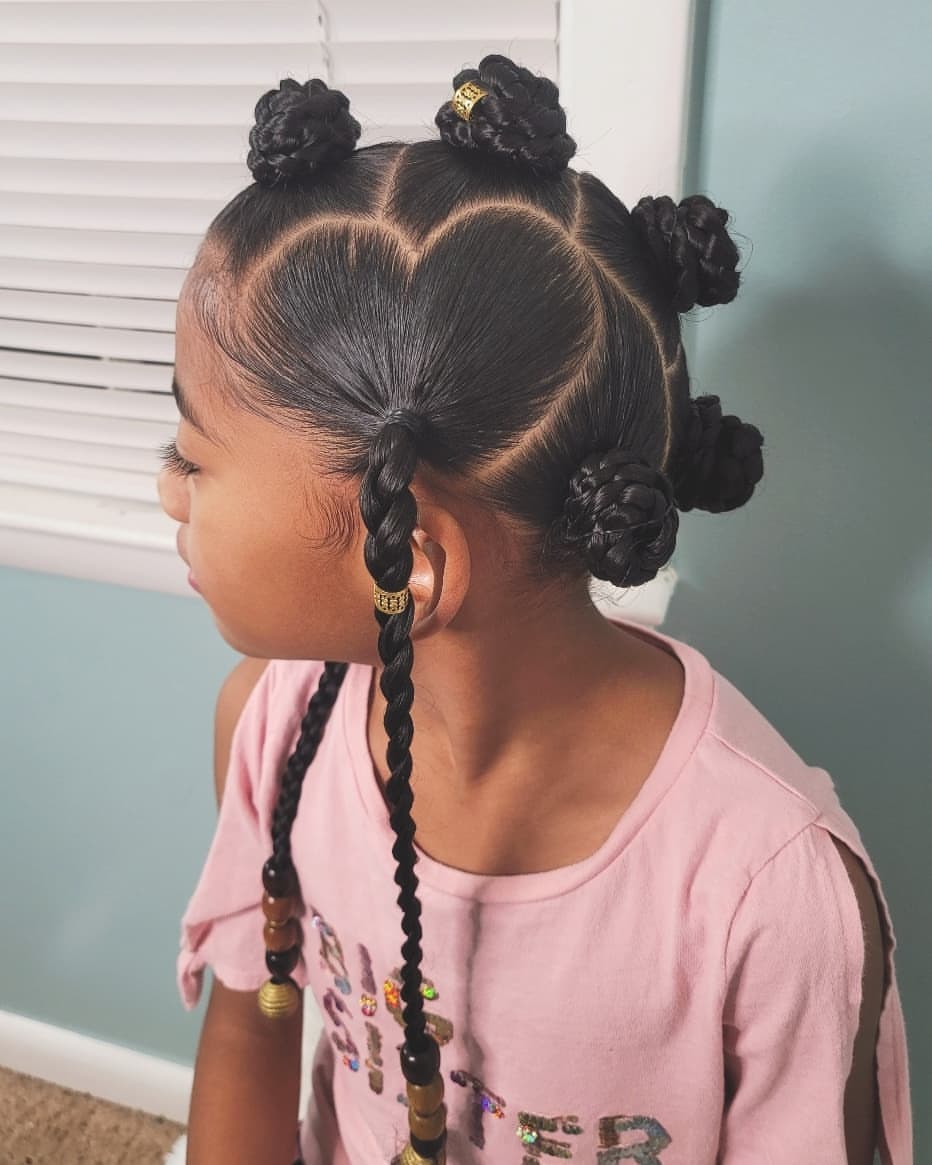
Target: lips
{"type": "Point", "coordinates": [192, 582]}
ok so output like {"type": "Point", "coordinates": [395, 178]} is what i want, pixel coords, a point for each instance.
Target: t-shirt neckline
{"type": "Point", "coordinates": [688, 728]}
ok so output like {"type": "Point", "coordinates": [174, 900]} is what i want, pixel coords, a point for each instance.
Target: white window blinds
{"type": "Point", "coordinates": [123, 129]}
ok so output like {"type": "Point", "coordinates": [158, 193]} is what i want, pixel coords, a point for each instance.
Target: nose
{"type": "Point", "coordinates": [173, 495]}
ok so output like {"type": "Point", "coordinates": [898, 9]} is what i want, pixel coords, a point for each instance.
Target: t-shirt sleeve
{"type": "Point", "coordinates": [794, 962]}
{"type": "Point", "coordinates": [223, 923]}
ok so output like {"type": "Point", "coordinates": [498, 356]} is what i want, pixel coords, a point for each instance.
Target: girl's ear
{"type": "Point", "coordinates": [440, 572]}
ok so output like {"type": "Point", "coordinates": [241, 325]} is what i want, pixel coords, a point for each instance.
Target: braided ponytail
{"type": "Point", "coordinates": [389, 511]}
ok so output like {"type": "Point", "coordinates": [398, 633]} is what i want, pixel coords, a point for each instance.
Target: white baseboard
{"type": "Point", "coordinates": [108, 1071]}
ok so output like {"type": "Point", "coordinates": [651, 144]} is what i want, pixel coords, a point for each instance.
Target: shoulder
{"type": "Point", "coordinates": [740, 759]}
{"type": "Point", "coordinates": [259, 710]}
{"type": "Point", "coordinates": [237, 687]}
{"type": "Point", "coordinates": [231, 699]}
{"type": "Point", "coordinates": [754, 776]}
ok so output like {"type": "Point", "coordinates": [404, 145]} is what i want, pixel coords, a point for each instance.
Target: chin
{"type": "Point", "coordinates": [241, 640]}
{"type": "Point", "coordinates": [256, 645]}
{"type": "Point", "coordinates": [277, 643]}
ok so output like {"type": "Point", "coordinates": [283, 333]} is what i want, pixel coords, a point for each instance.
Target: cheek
{"type": "Point", "coordinates": [275, 587]}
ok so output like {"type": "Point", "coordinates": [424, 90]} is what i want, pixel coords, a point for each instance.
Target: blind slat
{"type": "Point", "coordinates": [104, 213]}
{"type": "Point", "coordinates": [91, 278]}
{"type": "Point", "coordinates": [117, 23]}
{"type": "Point", "coordinates": [357, 65]}
{"type": "Point", "coordinates": [95, 402]}
{"type": "Point", "coordinates": [110, 246]}
{"type": "Point", "coordinates": [99, 430]}
{"type": "Point", "coordinates": [175, 105]}
{"type": "Point", "coordinates": [492, 22]}
{"type": "Point", "coordinates": [161, 64]}
{"type": "Point", "coordinates": [70, 453]}
{"type": "Point", "coordinates": [97, 480]}
{"type": "Point", "coordinates": [146, 143]}
{"type": "Point", "coordinates": [212, 181]}
{"type": "Point", "coordinates": [125, 374]}
{"type": "Point", "coordinates": [247, 22]}
{"type": "Point", "coordinates": [79, 339]}
{"type": "Point", "coordinates": [98, 310]}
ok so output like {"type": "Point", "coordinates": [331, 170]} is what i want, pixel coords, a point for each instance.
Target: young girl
{"type": "Point", "coordinates": [427, 390]}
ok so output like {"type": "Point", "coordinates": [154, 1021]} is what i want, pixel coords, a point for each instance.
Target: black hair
{"type": "Point", "coordinates": [473, 305]}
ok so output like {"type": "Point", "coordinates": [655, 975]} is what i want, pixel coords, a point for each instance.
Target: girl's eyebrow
{"type": "Point", "coordinates": [184, 407]}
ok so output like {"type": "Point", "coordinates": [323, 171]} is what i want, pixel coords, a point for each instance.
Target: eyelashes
{"type": "Point", "coordinates": [173, 461]}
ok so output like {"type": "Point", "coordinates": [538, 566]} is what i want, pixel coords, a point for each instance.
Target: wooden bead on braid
{"type": "Point", "coordinates": [278, 879]}
{"type": "Point", "coordinates": [278, 910]}
{"type": "Point", "coordinates": [280, 996]}
{"type": "Point", "coordinates": [427, 1114]}
{"type": "Point", "coordinates": [280, 936]}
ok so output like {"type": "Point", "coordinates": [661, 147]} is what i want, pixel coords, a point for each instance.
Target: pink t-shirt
{"type": "Point", "coordinates": [687, 995]}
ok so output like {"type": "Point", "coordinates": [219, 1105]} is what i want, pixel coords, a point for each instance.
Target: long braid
{"type": "Point", "coordinates": [280, 994]}
{"type": "Point", "coordinates": [389, 511]}
{"type": "Point", "coordinates": [312, 729]}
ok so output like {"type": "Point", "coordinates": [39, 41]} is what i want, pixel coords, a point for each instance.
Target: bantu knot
{"type": "Point", "coordinates": [719, 461]}
{"type": "Point", "coordinates": [299, 130]}
{"type": "Point", "coordinates": [520, 118]}
{"type": "Point", "coordinates": [621, 516]}
{"type": "Point", "coordinates": [695, 253]}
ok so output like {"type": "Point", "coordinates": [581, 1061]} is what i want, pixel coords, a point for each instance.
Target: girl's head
{"type": "Point", "coordinates": [462, 328]}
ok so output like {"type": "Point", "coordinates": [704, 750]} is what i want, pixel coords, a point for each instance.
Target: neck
{"type": "Point", "coordinates": [508, 701]}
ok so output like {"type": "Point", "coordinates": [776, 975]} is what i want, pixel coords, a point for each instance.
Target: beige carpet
{"type": "Point", "coordinates": [42, 1124]}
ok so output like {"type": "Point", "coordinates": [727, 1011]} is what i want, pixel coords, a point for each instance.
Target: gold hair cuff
{"type": "Point", "coordinates": [466, 97]}
{"type": "Point", "coordinates": [390, 602]}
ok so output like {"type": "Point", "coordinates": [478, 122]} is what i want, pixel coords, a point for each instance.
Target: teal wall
{"type": "Point", "coordinates": [106, 718]}
{"type": "Point", "coordinates": [810, 125]}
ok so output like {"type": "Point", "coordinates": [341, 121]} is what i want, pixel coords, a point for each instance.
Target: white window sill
{"type": "Point", "coordinates": [131, 543]}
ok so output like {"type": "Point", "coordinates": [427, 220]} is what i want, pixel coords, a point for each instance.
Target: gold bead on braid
{"type": "Point", "coordinates": [466, 97]}
{"type": "Point", "coordinates": [390, 602]}
{"type": "Point", "coordinates": [427, 1119]}
{"type": "Point", "coordinates": [410, 1156]}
